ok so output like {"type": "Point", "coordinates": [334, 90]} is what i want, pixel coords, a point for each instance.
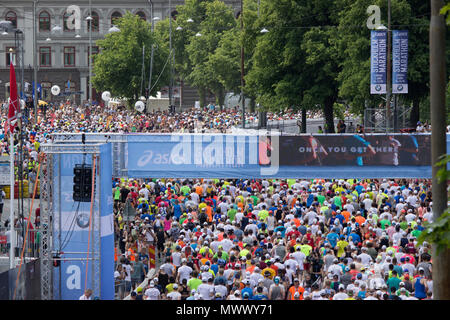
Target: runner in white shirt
{"type": "Point", "coordinates": [205, 289]}
{"type": "Point", "coordinates": [299, 257]}
{"type": "Point", "coordinates": [174, 294]}
{"type": "Point", "coordinates": [152, 293]}
{"type": "Point", "coordinates": [365, 258]}
{"type": "Point", "coordinates": [184, 272]}
{"type": "Point", "coordinates": [341, 295]}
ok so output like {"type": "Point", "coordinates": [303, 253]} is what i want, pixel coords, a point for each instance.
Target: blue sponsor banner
{"type": "Point", "coordinates": [188, 155]}
{"type": "Point", "coordinates": [302, 157]}
{"type": "Point", "coordinates": [378, 61]}
{"type": "Point", "coordinates": [400, 61]}
{"type": "Point", "coordinates": [71, 230]}
{"type": "Point", "coordinates": [107, 223]}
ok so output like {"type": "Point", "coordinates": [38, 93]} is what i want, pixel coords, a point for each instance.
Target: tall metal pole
{"type": "Point", "coordinates": [12, 235]}
{"type": "Point", "coordinates": [90, 54]}
{"type": "Point", "coordinates": [35, 100]}
{"type": "Point", "coordinates": [19, 44]}
{"type": "Point", "coordinates": [441, 262]}
{"type": "Point", "coordinates": [143, 69]}
{"type": "Point", "coordinates": [388, 74]}
{"type": "Point", "coordinates": [242, 65]}
{"type": "Point", "coordinates": [152, 53]}
{"type": "Point", "coordinates": [171, 53]}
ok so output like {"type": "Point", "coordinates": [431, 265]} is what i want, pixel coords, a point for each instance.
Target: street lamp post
{"type": "Point", "coordinates": [35, 100]}
{"type": "Point", "coordinates": [242, 65]}
{"type": "Point", "coordinates": [152, 52]}
{"type": "Point", "coordinates": [170, 55]}
{"type": "Point", "coordinates": [90, 53]}
{"type": "Point", "coordinates": [18, 42]}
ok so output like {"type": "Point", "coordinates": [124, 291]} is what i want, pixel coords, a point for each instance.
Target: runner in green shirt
{"type": "Point", "coordinates": [416, 232]}
{"type": "Point", "coordinates": [220, 254]}
{"type": "Point", "coordinates": [231, 213]}
{"type": "Point", "coordinates": [384, 223]}
{"type": "Point", "coordinates": [255, 199]}
{"type": "Point", "coordinates": [306, 249]}
{"type": "Point", "coordinates": [321, 199]}
{"type": "Point", "coordinates": [185, 190]}
{"type": "Point", "coordinates": [338, 202]}
{"type": "Point", "coordinates": [263, 214]}
{"type": "Point", "coordinates": [194, 282]}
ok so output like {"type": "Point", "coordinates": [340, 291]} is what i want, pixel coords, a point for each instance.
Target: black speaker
{"type": "Point", "coordinates": [82, 183]}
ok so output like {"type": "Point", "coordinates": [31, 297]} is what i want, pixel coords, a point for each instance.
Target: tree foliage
{"type": "Point", "coordinates": [316, 54]}
{"type": "Point", "coordinates": [438, 232]}
{"type": "Point", "coordinates": [118, 66]}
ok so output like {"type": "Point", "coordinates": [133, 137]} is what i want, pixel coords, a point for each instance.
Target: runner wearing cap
{"type": "Point", "coordinates": [296, 288]}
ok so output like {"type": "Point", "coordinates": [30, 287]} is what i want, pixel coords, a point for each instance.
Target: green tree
{"type": "Point", "coordinates": [275, 76]}
{"type": "Point", "coordinates": [211, 19]}
{"type": "Point", "coordinates": [438, 232]}
{"type": "Point", "coordinates": [226, 60]}
{"type": "Point", "coordinates": [354, 50]}
{"type": "Point", "coordinates": [295, 65]}
{"type": "Point", "coordinates": [118, 66]}
{"type": "Point", "coordinates": [218, 19]}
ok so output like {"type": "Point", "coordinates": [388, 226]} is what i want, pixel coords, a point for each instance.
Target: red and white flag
{"type": "Point", "coordinates": [14, 104]}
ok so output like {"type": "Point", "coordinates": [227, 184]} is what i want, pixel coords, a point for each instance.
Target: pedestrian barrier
{"type": "Point", "coordinates": [151, 255]}
{"type": "Point", "coordinates": [18, 189]}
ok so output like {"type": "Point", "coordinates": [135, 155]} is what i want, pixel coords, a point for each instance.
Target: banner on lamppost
{"type": "Point", "coordinates": [378, 59]}
{"type": "Point", "coordinates": [400, 61]}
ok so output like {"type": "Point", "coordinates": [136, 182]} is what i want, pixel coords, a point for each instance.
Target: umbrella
{"type": "Point", "coordinates": [42, 103]}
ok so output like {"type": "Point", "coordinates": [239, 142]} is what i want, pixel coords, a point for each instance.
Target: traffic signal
{"type": "Point", "coordinates": [82, 183]}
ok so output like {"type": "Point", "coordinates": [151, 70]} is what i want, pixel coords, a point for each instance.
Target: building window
{"type": "Point", "coordinates": [44, 21]}
{"type": "Point", "coordinates": [66, 28]}
{"type": "Point", "coordinates": [11, 16]}
{"type": "Point", "coordinates": [141, 15]}
{"type": "Point", "coordinates": [116, 15]}
{"type": "Point", "coordinates": [95, 22]}
{"type": "Point", "coordinates": [69, 56]}
{"type": "Point", "coordinates": [45, 56]}
{"type": "Point", "coordinates": [10, 54]}
{"type": "Point", "coordinates": [95, 51]}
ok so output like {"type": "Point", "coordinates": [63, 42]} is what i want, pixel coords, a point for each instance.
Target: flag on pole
{"type": "Point", "coordinates": [14, 106]}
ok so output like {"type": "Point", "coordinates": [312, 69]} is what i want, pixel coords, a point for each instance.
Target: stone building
{"type": "Point", "coordinates": [62, 56]}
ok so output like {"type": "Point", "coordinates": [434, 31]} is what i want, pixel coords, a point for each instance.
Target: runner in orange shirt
{"type": "Point", "coordinates": [360, 219]}
{"type": "Point", "coordinates": [295, 288]}
{"type": "Point", "coordinates": [346, 215]}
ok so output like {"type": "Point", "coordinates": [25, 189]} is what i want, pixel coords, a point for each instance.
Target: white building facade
{"type": "Point", "coordinates": [63, 56]}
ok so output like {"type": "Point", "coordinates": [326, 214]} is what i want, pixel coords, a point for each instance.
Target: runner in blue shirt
{"type": "Point", "coordinates": [332, 238]}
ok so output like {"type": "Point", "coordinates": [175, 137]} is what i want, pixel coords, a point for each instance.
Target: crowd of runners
{"type": "Point", "coordinates": [252, 239]}
{"type": "Point", "coordinates": [274, 239]}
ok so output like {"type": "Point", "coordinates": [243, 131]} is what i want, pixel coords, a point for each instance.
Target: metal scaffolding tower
{"type": "Point", "coordinates": [51, 192]}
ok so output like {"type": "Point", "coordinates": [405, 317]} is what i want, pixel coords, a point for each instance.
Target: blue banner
{"type": "Point", "coordinates": [106, 223]}
{"type": "Point", "coordinates": [400, 61]}
{"type": "Point", "coordinates": [378, 60]}
{"type": "Point", "coordinates": [302, 157]}
{"type": "Point", "coordinates": [71, 231]}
